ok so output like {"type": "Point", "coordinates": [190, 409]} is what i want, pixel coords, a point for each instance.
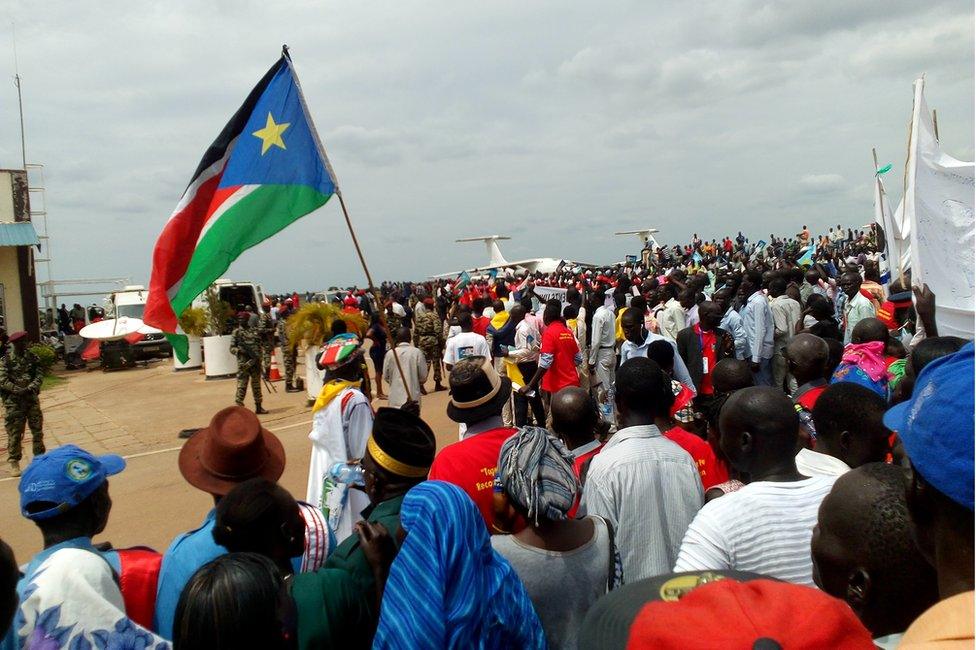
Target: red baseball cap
{"type": "Point", "coordinates": [756, 614]}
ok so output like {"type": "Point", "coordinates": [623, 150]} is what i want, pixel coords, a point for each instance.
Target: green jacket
{"type": "Point", "coordinates": [336, 605]}
{"type": "Point", "coordinates": [349, 557]}
{"type": "Point", "coordinates": [328, 604]}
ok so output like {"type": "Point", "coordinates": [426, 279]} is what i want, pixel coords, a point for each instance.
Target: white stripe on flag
{"type": "Point", "coordinates": [228, 203]}
{"type": "Point", "coordinates": [205, 175]}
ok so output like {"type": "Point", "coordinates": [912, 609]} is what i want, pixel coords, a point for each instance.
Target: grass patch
{"type": "Point", "coordinates": [50, 381]}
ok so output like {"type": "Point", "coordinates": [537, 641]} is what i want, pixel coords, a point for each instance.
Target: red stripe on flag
{"type": "Point", "coordinates": [175, 248]}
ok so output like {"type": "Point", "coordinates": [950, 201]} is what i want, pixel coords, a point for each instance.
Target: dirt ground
{"type": "Point", "coordinates": [138, 413]}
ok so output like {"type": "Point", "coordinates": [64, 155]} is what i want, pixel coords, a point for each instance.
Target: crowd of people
{"type": "Point", "coordinates": [722, 445]}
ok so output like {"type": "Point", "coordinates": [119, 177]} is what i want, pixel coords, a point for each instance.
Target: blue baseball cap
{"type": "Point", "coordinates": [64, 477]}
{"type": "Point", "coordinates": [936, 425]}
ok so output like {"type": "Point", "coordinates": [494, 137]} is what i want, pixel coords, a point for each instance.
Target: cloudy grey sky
{"type": "Point", "coordinates": [556, 123]}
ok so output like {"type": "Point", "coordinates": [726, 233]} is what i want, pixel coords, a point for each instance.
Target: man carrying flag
{"type": "Point", "coordinates": [265, 170]}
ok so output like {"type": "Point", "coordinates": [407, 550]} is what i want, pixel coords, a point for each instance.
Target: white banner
{"type": "Point", "coordinates": [548, 293]}
{"type": "Point", "coordinates": [939, 208]}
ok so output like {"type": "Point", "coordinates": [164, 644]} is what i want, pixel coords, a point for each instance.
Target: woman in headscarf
{"type": "Point", "coordinates": [565, 564]}
{"type": "Point", "coordinates": [447, 587]}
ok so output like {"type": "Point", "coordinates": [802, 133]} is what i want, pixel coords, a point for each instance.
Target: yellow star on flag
{"type": "Point", "coordinates": [271, 134]}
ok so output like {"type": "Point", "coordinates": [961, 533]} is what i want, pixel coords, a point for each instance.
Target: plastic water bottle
{"type": "Point", "coordinates": [605, 402]}
{"type": "Point", "coordinates": [347, 474]}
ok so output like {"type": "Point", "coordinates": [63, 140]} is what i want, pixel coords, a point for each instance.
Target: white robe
{"type": "Point", "coordinates": [339, 434]}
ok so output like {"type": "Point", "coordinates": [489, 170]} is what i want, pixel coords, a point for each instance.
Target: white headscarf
{"type": "Point", "coordinates": [72, 600]}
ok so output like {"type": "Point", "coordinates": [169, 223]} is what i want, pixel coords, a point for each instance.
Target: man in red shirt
{"type": "Point", "coordinates": [478, 395]}
{"type": "Point", "coordinates": [559, 354]}
{"type": "Point", "coordinates": [479, 322]}
{"type": "Point", "coordinates": [703, 345]}
{"type": "Point", "coordinates": [711, 471]}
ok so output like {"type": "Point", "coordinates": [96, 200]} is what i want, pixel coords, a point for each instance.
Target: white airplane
{"type": "Point", "coordinates": [497, 261]}
{"type": "Point", "coordinates": [645, 236]}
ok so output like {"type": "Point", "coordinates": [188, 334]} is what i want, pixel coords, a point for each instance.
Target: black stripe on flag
{"type": "Point", "coordinates": [236, 124]}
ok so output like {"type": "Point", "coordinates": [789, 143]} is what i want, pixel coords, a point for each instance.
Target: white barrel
{"type": "Point", "coordinates": [195, 352]}
{"type": "Point", "coordinates": [218, 361]}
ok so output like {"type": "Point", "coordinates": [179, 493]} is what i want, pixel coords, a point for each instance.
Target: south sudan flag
{"type": "Point", "coordinates": [265, 170]}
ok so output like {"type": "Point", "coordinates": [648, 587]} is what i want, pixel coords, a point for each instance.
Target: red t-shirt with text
{"type": "Point", "coordinates": [470, 464]}
{"type": "Point", "coordinates": [558, 340]}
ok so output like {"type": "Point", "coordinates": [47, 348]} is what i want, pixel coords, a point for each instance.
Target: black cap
{"type": "Point", "coordinates": [607, 624]}
{"type": "Point", "coordinates": [402, 441]}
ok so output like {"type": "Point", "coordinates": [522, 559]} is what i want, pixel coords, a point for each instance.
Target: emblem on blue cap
{"type": "Point", "coordinates": [78, 469]}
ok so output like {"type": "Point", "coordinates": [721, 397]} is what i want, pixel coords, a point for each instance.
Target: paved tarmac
{"type": "Point", "coordinates": [138, 413]}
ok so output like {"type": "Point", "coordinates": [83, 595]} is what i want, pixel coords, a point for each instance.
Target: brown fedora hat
{"type": "Point", "coordinates": [231, 449]}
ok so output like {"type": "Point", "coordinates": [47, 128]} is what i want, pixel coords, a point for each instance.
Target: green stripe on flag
{"type": "Point", "coordinates": [257, 216]}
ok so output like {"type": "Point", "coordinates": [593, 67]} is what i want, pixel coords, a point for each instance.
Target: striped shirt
{"type": "Point", "coordinates": [765, 527]}
{"type": "Point", "coordinates": [649, 489]}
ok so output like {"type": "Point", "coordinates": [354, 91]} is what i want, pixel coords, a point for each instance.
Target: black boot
{"type": "Point", "coordinates": [290, 388]}
{"type": "Point", "coordinates": [260, 411]}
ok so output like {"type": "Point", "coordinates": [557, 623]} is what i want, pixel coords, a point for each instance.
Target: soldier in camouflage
{"type": "Point", "coordinates": [20, 387]}
{"type": "Point", "coordinates": [288, 352]}
{"type": "Point", "coordinates": [393, 321]}
{"type": "Point", "coordinates": [428, 335]}
{"type": "Point", "coordinates": [245, 342]}
{"type": "Point", "coordinates": [266, 327]}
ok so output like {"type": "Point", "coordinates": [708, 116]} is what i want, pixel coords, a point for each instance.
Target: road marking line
{"type": "Point", "coordinates": [172, 449]}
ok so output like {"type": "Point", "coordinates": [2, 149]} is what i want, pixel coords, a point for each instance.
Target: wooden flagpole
{"type": "Point", "coordinates": [881, 197]}
{"type": "Point", "coordinates": [935, 123]}
{"type": "Point", "coordinates": [374, 292]}
{"type": "Point", "coordinates": [352, 233]}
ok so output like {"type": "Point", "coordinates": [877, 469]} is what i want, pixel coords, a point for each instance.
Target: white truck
{"type": "Point", "coordinates": [236, 294]}
{"type": "Point", "coordinates": [130, 301]}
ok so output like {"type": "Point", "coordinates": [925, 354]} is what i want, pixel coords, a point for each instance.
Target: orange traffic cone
{"type": "Point", "coordinates": [273, 374]}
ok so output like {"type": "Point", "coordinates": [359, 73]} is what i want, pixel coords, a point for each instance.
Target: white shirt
{"type": "Point", "coordinates": [339, 434]}
{"type": "Point", "coordinates": [732, 323]}
{"type": "Point", "coordinates": [582, 340]}
{"type": "Point", "coordinates": [757, 323]}
{"type": "Point", "coordinates": [765, 527]}
{"type": "Point", "coordinates": [786, 313]}
{"type": "Point", "coordinates": [629, 349]}
{"type": "Point", "coordinates": [649, 489]}
{"type": "Point", "coordinates": [672, 320]}
{"type": "Point", "coordinates": [527, 342]}
{"type": "Point", "coordinates": [857, 309]}
{"type": "Point", "coordinates": [813, 463]}
{"type": "Point", "coordinates": [465, 344]}
{"type": "Point", "coordinates": [415, 369]}
{"type": "Point", "coordinates": [602, 332]}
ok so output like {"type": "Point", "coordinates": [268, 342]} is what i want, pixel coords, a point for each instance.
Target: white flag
{"type": "Point", "coordinates": [895, 228]}
{"type": "Point", "coordinates": [939, 211]}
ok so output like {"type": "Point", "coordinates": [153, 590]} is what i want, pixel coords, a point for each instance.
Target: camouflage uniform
{"type": "Point", "coordinates": [428, 335]}
{"type": "Point", "coordinates": [266, 327]}
{"type": "Point", "coordinates": [393, 322]}
{"type": "Point", "coordinates": [20, 385]}
{"type": "Point", "coordinates": [246, 344]}
{"type": "Point", "coordinates": [289, 353]}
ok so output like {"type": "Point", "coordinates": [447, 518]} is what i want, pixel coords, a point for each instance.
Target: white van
{"type": "Point", "coordinates": [236, 294]}
{"type": "Point", "coordinates": [130, 301]}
